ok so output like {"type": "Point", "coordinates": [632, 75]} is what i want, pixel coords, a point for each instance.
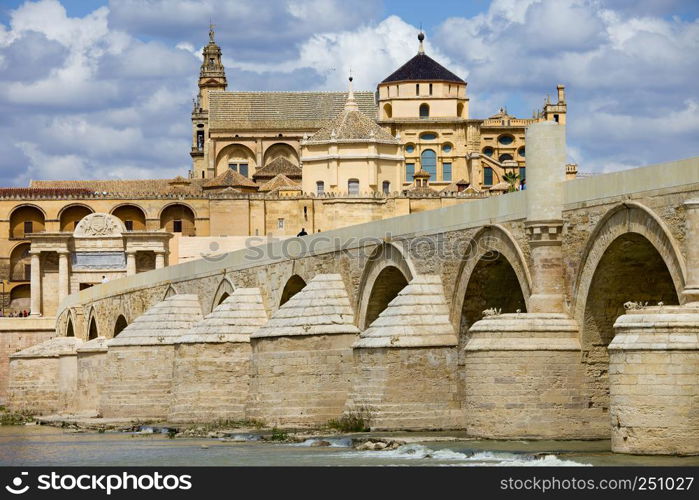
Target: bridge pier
{"type": "Point", "coordinates": [654, 369]}
{"type": "Point", "coordinates": [301, 368]}
{"type": "Point", "coordinates": [211, 374]}
{"type": "Point", "coordinates": [406, 363]}
{"type": "Point", "coordinates": [522, 372]}
{"type": "Point", "coordinates": [138, 370]}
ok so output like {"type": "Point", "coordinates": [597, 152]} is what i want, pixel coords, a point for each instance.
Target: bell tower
{"type": "Point", "coordinates": [212, 76]}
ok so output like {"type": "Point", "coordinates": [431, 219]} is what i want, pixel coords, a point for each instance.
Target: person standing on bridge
{"type": "Point", "coordinates": [302, 232]}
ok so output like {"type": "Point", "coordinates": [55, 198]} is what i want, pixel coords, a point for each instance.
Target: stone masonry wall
{"type": "Point", "coordinates": [300, 381]}
{"type": "Point", "coordinates": [521, 394]}
{"type": "Point", "coordinates": [411, 388]}
{"type": "Point", "coordinates": [137, 382]}
{"type": "Point", "coordinates": [210, 381]}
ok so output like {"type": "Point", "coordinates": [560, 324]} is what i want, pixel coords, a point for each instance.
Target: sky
{"type": "Point", "coordinates": [103, 89]}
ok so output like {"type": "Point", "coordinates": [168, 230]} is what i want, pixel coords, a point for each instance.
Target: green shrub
{"type": "Point", "coordinates": [353, 421]}
{"type": "Point", "coordinates": [278, 435]}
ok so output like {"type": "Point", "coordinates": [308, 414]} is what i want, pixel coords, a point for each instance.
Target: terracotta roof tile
{"type": "Point", "coordinates": [281, 110]}
{"type": "Point", "coordinates": [352, 125]}
{"type": "Point", "coordinates": [280, 181]}
{"type": "Point", "coordinates": [124, 187]}
{"type": "Point", "coordinates": [278, 166]}
{"type": "Point", "coordinates": [229, 178]}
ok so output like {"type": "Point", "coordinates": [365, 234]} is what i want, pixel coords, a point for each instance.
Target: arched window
{"type": "Point", "coordinates": [504, 157]}
{"type": "Point", "coordinates": [424, 111]}
{"type": "Point", "coordinates": [72, 215]}
{"type": "Point", "coordinates": [320, 188]}
{"type": "Point", "coordinates": [178, 219]}
{"type": "Point", "coordinates": [428, 162]}
{"type": "Point", "coordinates": [353, 186]}
{"type": "Point", "coordinates": [386, 186]}
{"type": "Point", "coordinates": [387, 111]}
{"type": "Point", "coordinates": [460, 109]}
{"type": "Point", "coordinates": [521, 152]}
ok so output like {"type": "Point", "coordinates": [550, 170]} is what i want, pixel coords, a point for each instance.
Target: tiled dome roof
{"type": "Point", "coordinates": [422, 67]}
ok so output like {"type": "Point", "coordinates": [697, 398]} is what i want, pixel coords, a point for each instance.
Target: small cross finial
{"type": "Point", "coordinates": [211, 31]}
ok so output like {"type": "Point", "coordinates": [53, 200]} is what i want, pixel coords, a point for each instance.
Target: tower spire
{"type": "Point", "coordinates": [211, 32]}
{"type": "Point", "coordinates": [421, 38]}
{"type": "Point", "coordinates": [351, 104]}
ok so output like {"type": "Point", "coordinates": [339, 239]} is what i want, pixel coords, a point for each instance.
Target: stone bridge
{"type": "Point", "coordinates": [569, 310]}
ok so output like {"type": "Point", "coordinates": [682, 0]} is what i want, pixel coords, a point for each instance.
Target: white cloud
{"type": "Point", "coordinates": [630, 75]}
{"type": "Point", "coordinates": [109, 94]}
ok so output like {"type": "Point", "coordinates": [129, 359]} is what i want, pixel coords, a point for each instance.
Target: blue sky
{"type": "Point", "coordinates": [102, 89]}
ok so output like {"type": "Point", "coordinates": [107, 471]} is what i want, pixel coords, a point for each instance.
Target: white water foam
{"type": "Point", "coordinates": [334, 442]}
{"type": "Point", "coordinates": [493, 458]}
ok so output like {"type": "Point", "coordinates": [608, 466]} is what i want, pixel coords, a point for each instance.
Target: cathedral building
{"type": "Point", "coordinates": [278, 161]}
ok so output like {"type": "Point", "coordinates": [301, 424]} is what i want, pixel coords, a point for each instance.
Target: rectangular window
{"type": "Point", "coordinates": [487, 176]}
{"type": "Point", "coordinates": [555, 118]}
{"type": "Point", "coordinates": [397, 90]}
{"type": "Point", "coordinates": [177, 226]}
{"type": "Point", "coordinates": [430, 89]}
{"type": "Point", "coordinates": [200, 140]}
{"type": "Point", "coordinates": [243, 169]}
{"type": "Point", "coordinates": [129, 225]}
{"type": "Point", "coordinates": [353, 186]}
{"type": "Point", "coordinates": [28, 227]}
{"type": "Point", "coordinates": [446, 172]}
{"type": "Point", "coordinates": [417, 89]}
{"type": "Point", "coordinates": [522, 173]}
{"type": "Point", "coordinates": [409, 172]}
{"type": "Point", "coordinates": [280, 223]}
{"type": "Point", "coordinates": [320, 188]}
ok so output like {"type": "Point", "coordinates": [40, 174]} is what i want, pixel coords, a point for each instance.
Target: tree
{"type": "Point", "coordinates": [511, 178]}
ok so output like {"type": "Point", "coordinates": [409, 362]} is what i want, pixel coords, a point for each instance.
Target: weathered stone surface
{"type": "Point", "coordinates": [521, 379]}
{"type": "Point", "coordinates": [43, 377]}
{"type": "Point", "coordinates": [654, 381]}
{"type": "Point", "coordinates": [302, 358]}
{"type": "Point", "coordinates": [162, 324]}
{"type": "Point", "coordinates": [407, 388]}
{"type": "Point", "coordinates": [321, 308]}
{"type": "Point", "coordinates": [212, 361]}
{"type": "Point", "coordinates": [92, 357]}
{"type": "Point", "coordinates": [417, 317]}
{"type": "Point", "coordinates": [137, 382]}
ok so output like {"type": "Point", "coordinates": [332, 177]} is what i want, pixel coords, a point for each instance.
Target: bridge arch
{"type": "Point", "coordinates": [629, 256]}
{"type": "Point", "coordinates": [385, 274]}
{"type": "Point", "coordinates": [119, 325]}
{"type": "Point", "coordinates": [92, 329]}
{"type": "Point", "coordinates": [493, 273]}
{"type": "Point", "coordinates": [171, 290]}
{"type": "Point", "coordinates": [294, 284]}
{"type": "Point", "coordinates": [626, 218]}
{"type": "Point", "coordinates": [225, 289]}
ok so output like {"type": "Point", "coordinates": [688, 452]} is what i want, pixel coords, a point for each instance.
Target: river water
{"type": "Point", "coordinates": [50, 446]}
